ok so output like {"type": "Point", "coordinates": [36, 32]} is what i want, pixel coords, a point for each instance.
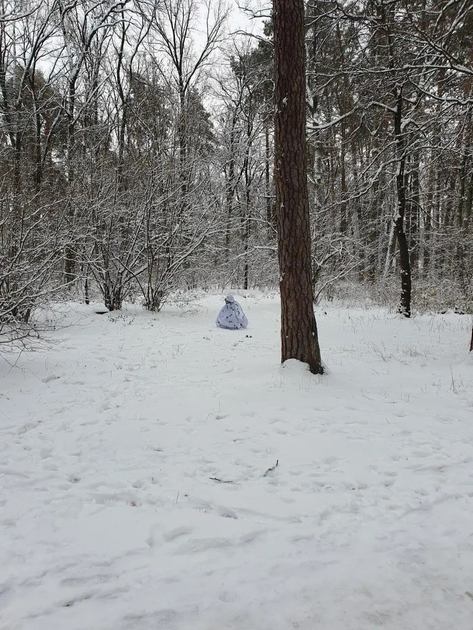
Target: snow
{"type": "Point", "coordinates": [139, 486]}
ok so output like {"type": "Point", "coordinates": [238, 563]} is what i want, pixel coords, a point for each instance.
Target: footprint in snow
{"type": "Point", "coordinates": [227, 597]}
{"type": "Point", "coordinates": [198, 545]}
{"type": "Point", "coordinates": [225, 512]}
{"type": "Point", "coordinates": [177, 532]}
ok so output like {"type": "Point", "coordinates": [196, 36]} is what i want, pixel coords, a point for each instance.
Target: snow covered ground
{"type": "Point", "coordinates": [139, 487]}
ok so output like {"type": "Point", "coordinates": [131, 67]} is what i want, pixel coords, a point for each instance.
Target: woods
{"type": "Point", "coordinates": [137, 152]}
{"type": "Point", "coordinates": [190, 191]}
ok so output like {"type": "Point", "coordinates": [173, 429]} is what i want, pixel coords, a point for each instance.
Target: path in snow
{"type": "Point", "coordinates": [136, 491]}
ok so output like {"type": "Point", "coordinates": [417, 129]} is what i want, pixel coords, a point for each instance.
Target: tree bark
{"type": "Point", "coordinates": [401, 186]}
{"type": "Point", "coordinates": [299, 338]}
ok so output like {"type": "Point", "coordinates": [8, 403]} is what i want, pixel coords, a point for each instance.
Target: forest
{"type": "Point", "coordinates": [137, 150]}
{"type": "Point", "coordinates": [186, 188]}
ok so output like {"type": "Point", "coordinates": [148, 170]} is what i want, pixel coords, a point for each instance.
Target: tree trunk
{"type": "Point", "coordinates": [298, 327]}
{"type": "Point", "coordinates": [401, 186]}
{"type": "Point", "coordinates": [270, 214]}
{"type": "Point", "coordinates": [246, 219]}
{"type": "Point", "coordinates": [230, 186]}
{"type": "Point", "coordinates": [462, 210]}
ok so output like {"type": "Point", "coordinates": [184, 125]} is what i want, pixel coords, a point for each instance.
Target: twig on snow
{"type": "Point", "coordinates": [221, 480]}
{"type": "Point", "coordinates": [272, 468]}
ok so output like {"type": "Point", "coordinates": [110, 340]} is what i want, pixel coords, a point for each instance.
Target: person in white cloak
{"type": "Point", "coordinates": [231, 315]}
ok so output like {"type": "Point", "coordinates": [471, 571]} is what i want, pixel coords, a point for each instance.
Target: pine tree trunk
{"type": "Point", "coordinates": [298, 327]}
{"type": "Point", "coordinates": [401, 186]}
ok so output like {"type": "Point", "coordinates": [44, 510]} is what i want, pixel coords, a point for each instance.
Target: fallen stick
{"type": "Point", "coordinates": [221, 480]}
{"type": "Point", "coordinates": [272, 468]}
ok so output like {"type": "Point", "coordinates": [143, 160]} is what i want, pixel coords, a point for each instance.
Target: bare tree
{"type": "Point", "coordinates": [174, 22]}
{"type": "Point", "coordinates": [246, 155]}
{"type": "Point", "coordinates": [87, 29]}
{"type": "Point", "coordinates": [31, 222]}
